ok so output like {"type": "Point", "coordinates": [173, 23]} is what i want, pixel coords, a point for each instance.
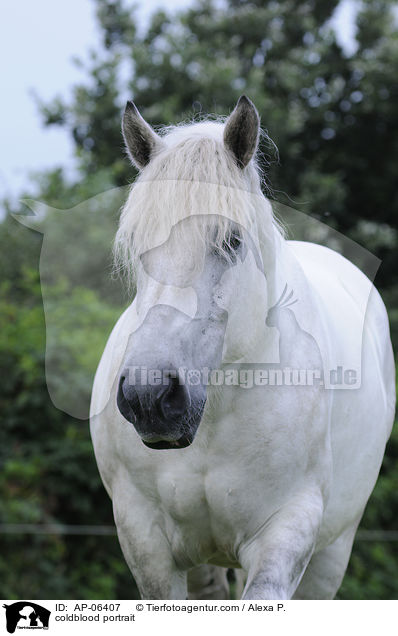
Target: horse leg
{"type": "Point", "coordinates": [326, 569]}
{"type": "Point", "coordinates": [240, 581]}
{"type": "Point", "coordinates": [146, 548]}
{"type": "Point", "coordinates": [154, 572]}
{"type": "Point", "coordinates": [278, 554]}
{"type": "Point", "coordinates": [153, 569]}
{"type": "Point", "coordinates": [208, 582]}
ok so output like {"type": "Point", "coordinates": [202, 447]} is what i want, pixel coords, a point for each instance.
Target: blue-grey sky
{"type": "Point", "coordinates": [37, 43]}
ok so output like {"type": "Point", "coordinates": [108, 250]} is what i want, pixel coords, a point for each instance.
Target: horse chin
{"type": "Point", "coordinates": [182, 442]}
{"type": "Point", "coordinates": [177, 435]}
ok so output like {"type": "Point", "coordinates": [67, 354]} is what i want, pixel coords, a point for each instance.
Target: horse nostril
{"type": "Point", "coordinates": [127, 400]}
{"type": "Point", "coordinates": [174, 399]}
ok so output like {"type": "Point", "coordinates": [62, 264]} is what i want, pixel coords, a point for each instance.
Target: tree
{"type": "Point", "coordinates": [314, 100]}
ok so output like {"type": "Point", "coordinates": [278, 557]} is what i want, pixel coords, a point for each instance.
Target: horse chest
{"type": "Point", "coordinates": [182, 497]}
{"type": "Point", "coordinates": [199, 512]}
{"type": "Point", "coordinates": [207, 512]}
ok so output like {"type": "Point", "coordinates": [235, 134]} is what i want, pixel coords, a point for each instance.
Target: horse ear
{"type": "Point", "coordinates": [242, 130]}
{"type": "Point", "coordinates": [140, 139]}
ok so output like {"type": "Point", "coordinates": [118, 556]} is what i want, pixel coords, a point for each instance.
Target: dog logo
{"type": "Point", "coordinates": [26, 615]}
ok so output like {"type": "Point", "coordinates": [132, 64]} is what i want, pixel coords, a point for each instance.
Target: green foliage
{"type": "Point", "coordinates": [48, 471]}
{"type": "Point", "coordinates": [335, 122]}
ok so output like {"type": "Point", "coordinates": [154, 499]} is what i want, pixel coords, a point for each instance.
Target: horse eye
{"type": "Point", "coordinates": [230, 246]}
{"type": "Point", "coordinates": [233, 244]}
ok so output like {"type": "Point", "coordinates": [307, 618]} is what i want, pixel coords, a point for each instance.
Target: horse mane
{"type": "Point", "coordinates": [192, 175]}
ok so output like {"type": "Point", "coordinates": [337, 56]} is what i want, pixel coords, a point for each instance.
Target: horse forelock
{"type": "Point", "coordinates": [192, 174]}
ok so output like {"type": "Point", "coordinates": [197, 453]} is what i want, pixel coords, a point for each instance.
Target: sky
{"type": "Point", "coordinates": [38, 41]}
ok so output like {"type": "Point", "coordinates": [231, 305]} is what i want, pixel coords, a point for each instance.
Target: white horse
{"type": "Point", "coordinates": [270, 477]}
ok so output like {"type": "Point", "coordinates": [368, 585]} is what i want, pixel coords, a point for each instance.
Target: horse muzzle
{"type": "Point", "coordinates": [166, 415]}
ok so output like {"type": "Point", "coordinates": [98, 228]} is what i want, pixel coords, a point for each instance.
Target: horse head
{"type": "Point", "coordinates": [186, 294]}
